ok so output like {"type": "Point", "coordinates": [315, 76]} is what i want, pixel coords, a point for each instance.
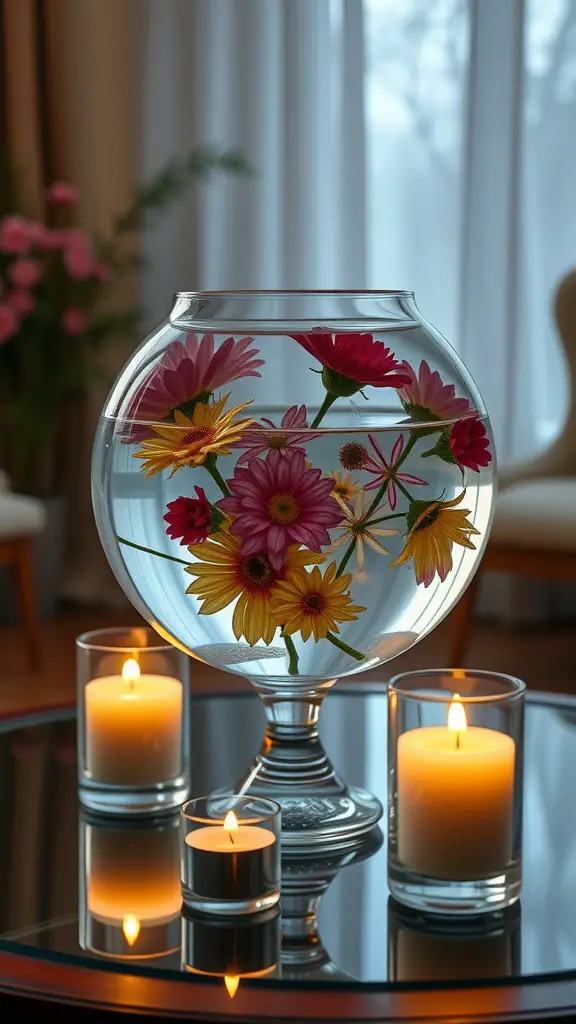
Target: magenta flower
{"type": "Point", "coordinates": [427, 398]}
{"type": "Point", "coordinates": [190, 519]}
{"type": "Point", "coordinates": [21, 301]}
{"type": "Point", "coordinates": [24, 273]}
{"type": "Point", "coordinates": [383, 471]}
{"type": "Point", "coordinates": [469, 444]}
{"type": "Point", "coordinates": [273, 438]}
{"type": "Point", "coordinates": [277, 502]}
{"type": "Point", "coordinates": [186, 371]}
{"type": "Point", "coordinates": [74, 321]}
{"type": "Point", "coordinates": [352, 361]}
{"type": "Point", "coordinates": [9, 323]}
{"type": "Point", "coordinates": [62, 193]}
{"type": "Point", "coordinates": [77, 255]}
{"type": "Point", "coordinates": [14, 235]}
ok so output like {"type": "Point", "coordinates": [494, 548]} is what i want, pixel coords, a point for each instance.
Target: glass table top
{"type": "Point", "coordinates": [105, 893]}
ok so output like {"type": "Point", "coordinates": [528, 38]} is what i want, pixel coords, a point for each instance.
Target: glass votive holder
{"type": "Point", "coordinates": [130, 897]}
{"type": "Point", "coordinates": [133, 736]}
{"type": "Point", "coordinates": [230, 854]}
{"type": "Point", "coordinates": [455, 761]}
{"type": "Point", "coordinates": [244, 948]}
{"type": "Point", "coordinates": [428, 947]}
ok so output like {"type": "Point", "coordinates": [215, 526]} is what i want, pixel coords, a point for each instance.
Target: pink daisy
{"type": "Point", "coordinates": [186, 371]}
{"type": "Point", "coordinates": [277, 502]}
{"type": "Point", "coordinates": [258, 441]}
{"type": "Point", "coordinates": [427, 398]}
{"type": "Point", "coordinates": [383, 470]}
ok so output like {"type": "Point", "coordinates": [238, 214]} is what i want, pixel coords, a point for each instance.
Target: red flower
{"type": "Point", "coordinates": [351, 361]}
{"type": "Point", "coordinates": [24, 273]}
{"type": "Point", "coordinates": [74, 321]}
{"type": "Point", "coordinates": [63, 193]}
{"type": "Point", "coordinates": [469, 444]}
{"type": "Point", "coordinates": [189, 518]}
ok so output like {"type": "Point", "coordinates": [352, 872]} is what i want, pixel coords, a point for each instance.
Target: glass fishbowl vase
{"type": "Point", "coordinates": [295, 487]}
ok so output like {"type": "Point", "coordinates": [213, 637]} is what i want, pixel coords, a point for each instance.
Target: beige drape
{"type": "Point", "coordinates": [70, 96]}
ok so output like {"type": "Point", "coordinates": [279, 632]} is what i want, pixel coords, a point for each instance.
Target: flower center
{"type": "Point", "coordinates": [313, 604]}
{"type": "Point", "coordinates": [195, 436]}
{"type": "Point", "coordinates": [353, 455]}
{"type": "Point", "coordinates": [283, 508]}
{"type": "Point", "coordinates": [277, 441]}
{"type": "Point", "coordinates": [342, 490]}
{"type": "Point", "coordinates": [257, 570]}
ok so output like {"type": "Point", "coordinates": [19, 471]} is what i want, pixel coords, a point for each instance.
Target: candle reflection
{"type": "Point", "coordinates": [129, 888]}
{"type": "Point", "coordinates": [232, 950]}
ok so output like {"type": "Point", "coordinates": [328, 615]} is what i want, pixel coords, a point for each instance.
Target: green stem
{"type": "Point", "coordinates": [293, 654]}
{"type": "Point", "coordinates": [210, 465]}
{"type": "Point", "coordinates": [344, 647]}
{"type": "Point", "coordinates": [347, 556]}
{"type": "Point", "coordinates": [328, 401]}
{"type": "Point", "coordinates": [384, 519]}
{"type": "Point", "coordinates": [404, 491]}
{"type": "Point", "coordinates": [150, 551]}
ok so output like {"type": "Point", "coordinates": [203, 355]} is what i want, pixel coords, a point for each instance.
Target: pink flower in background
{"type": "Point", "coordinates": [21, 301]}
{"type": "Point", "coordinates": [258, 441]}
{"type": "Point", "coordinates": [277, 502]}
{"type": "Point", "coordinates": [427, 398]}
{"type": "Point", "coordinates": [383, 470]}
{"type": "Point", "coordinates": [61, 192]}
{"type": "Point", "coordinates": [189, 369]}
{"type": "Point", "coordinates": [74, 321]}
{"type": "Point", "coordinates": [52, 241]}
{"type": "Point", "coordinates": [469, 444]}
{"type": "Point", "coordinates": [9, 322]}
{"type": "Point", "coordinates": [78, 256]}
{"type": "Point", "coordinates": [14, 235]}
{"type": "Point", "coordinates": [190, 518]}
{"type": "Point", "coordinates": [24, 273]}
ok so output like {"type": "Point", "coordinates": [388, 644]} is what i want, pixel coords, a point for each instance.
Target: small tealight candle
{"type": "Point", "coordinates": [230, 855]}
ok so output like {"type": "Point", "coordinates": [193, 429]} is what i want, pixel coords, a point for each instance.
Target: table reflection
{"type": "Point", "coordinates": [129, 887]}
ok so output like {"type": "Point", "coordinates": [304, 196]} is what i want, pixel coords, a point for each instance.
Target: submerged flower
{"type": "Point", "coordinates": [74, 321]}
{"type": "Point", "coordinates": [187, 372]}
{"type": "Point", "coordinates": [344, 487]}
{"type": "Point", "coordinates": [433, 529]}
{"type": "Point", "coordinates": [469, 444]}
{"type": "Point", "coordinates": [272, 437]}
{"type": "Point", "coordinates": [383, 471]}
{"type": "Point", "coordinates": [192, 520]}
{"type": "Point", "coordinates": [223, 573]}
{"type": "Point", "coordinates": [425, 397]}
{"type": "Point", "coordinates": [360, 525]}
{"type": "Point", "coordinates": [190, 440]}
{"type": "Point", "coordinates": [24, 273]}
{"type": "Point", "coordinates": [352, 361]}
{"type": "Point", "coordinates": [278, 501]}
{"type": "Point", "coordinates": [353, 455]}
{"type": "Point", "coordinates": [309, 603]}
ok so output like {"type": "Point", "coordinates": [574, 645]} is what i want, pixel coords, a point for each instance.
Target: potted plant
{"type": "Point", "coordinates": [55, 319]}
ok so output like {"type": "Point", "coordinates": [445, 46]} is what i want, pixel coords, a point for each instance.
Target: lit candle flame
{"type": "Point", "coordinates": [231, 981]}
{"type": "Point", "coordinates": [131, 928]}
{"type": "Point", "coordinates": [130, 670]}
{"type": "Point", "coordinates": [231, 822]}
{"type": "Point", "coordinates": [457, 718]}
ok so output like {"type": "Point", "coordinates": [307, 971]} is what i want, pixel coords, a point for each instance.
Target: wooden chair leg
{"type": "Point", "coordinates": [461, 623]}
{"type": "Point", "coordinates": [24, 585]}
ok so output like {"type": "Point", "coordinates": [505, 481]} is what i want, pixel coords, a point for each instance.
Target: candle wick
{"type": "Point", "coordinates": [457, 741]}
{"type": "Point", "coordinates": [231, 840]}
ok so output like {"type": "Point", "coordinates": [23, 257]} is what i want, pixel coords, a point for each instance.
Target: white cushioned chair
{"type": "Point", "coordinates": [534, 531]}
{"type": "Point", "coordinates": [21, 519]}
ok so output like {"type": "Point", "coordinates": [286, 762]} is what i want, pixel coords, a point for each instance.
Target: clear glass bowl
{"type": "Point", "coordinates": [328, 535]}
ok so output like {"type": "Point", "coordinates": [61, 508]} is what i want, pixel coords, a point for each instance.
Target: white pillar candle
{"type": "Point", "coordinates": [455, 799]}
{"type": "Point", "coordinates": [133, 728]}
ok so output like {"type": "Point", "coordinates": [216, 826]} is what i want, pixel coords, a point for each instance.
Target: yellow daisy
{"type": "Point", "coordinates": [433, 528]}
{"type": "Point", "coordinates": [223, 574]}
{"type": "Point", "coordinates": [307, 602]}
{"type": "Point", "coordinates": [189, 442]}
{"type": "Point", "coordinates": [344, 486]}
